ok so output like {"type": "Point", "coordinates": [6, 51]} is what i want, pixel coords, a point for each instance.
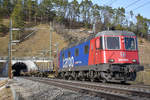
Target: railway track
{"type": "Point", "coordinates": [144, 88]}
{"type": "Point", "coordinates": [109, 92]}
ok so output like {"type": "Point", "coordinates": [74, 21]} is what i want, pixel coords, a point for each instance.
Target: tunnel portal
{"type": "Point", "coordinates": [18, 68]}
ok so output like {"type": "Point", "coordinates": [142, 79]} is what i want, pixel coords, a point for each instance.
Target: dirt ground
{"type": "Point", "coordinates": [5, 93]}
{"type": "Point", "coordinates": [3, 82]}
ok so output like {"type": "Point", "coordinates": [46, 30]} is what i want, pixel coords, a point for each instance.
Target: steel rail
{"type": "Point", "coordinates": [108, 93]}
{"type": "Point", "coordinates": [127, 91]}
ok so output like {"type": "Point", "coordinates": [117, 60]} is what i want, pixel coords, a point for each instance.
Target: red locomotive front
{"type": "Point", "coordinates": [120, 50]}
{"type": "Point", "coordinates": [116, 54]}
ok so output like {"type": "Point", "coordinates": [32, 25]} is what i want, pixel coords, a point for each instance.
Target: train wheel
{"type": "Point", "coordinates": [64, 78]}
{"type": "Point", "coordinates": [104, 81]}
{"type": "Point", "coordinates": [83, 79]}
{"type": "Point", "coordinates": [76, 78]}
{"type": "Point", "coordinates": [70, 78]}
{"type": "Point", "coordinates": [92, 79]}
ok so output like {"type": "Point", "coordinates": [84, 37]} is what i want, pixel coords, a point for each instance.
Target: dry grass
{"type": "Point", "coordinates": [143, 77]}
{"type": "Point", "coordinates": [35, 44]}
{"type": "Point", "coordinates": [5, 22]}
{"type": "Point", "coordinates": [4, 45]}
{"type": "Point", "coordinates": [144, 51]}
{"type": "Point", "coordinates": [40, 41]}
{"type": "Point", "coordinates": [71, 36]}
{"type": "Point", "coordinates": [4, 40]}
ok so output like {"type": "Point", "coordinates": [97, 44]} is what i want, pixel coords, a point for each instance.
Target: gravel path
{"type": "Point", "coordinates": [30, 90]}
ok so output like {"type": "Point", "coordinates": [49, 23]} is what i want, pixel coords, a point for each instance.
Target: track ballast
{"type": "Point", "coordinates": [108, 92]}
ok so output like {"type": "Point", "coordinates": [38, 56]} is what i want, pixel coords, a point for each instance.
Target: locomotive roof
{"type": "Point", "coordinates": [117, 32]}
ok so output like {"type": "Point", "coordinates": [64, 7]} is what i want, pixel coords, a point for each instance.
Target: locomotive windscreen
{"type": "Point", "coordinates": [130, 43]}
{"type": "Point", "coordinates": [113, 43]}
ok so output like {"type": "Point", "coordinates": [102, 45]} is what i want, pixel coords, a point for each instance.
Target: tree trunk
{"type": "Point", "coordinates": [35, 19]}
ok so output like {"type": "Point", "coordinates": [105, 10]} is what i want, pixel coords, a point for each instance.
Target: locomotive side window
{"type": "Point", "coordinates": [77, 52]}
{"type": "Point", "coordinates": [99, 43]}
{"type": "Point", "coordinates": [113, 43]}
{"type": "Point", "coordinates": [69, 54]}
{"type": "Point", "coordinates": [130, 43]}
{"type": "Point", "coordinates": [86, 49]}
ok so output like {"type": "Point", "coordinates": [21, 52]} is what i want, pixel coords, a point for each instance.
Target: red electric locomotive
{"type": "Point", "coordinates": [109, 56]}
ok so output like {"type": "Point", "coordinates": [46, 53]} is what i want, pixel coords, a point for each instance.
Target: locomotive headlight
{"type": "Point", "coordinates": [134, 61]}
{"type": "Point", "coordinates": [111, 60]}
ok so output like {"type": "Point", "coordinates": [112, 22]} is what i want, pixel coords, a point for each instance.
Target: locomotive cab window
{"type": "Point", "coordinates": [130, 43]}
{"type": "Point", "coordinates": [86, 49]}
{"type": "Point", "coordinates": [69, 54]}
{"type": "Point", "coordinates": [76, 52]}
{"type": "Point", "coordinates": [113, 43]}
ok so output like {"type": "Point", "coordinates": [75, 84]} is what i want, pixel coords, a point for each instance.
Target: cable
{"type": "Point", "coordinates": [104, 2]}
{"type": "Point", "coordinates": [132, 4]}
{"type": "Point", "coordinates": [107, 3]}
{"type": "Point", "coordinates": [141, 6]}
{"type": "Point", "coordinates": [112, 2]}
{"type": "Point", "coordinates": [146, 3]}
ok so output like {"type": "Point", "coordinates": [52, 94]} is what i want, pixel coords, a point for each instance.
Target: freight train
{"type": "Point", "coordinates": [109, 56]}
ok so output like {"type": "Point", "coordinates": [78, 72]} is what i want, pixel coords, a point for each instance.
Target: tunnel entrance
{"type": "Point", "coordinates": [18, 68]}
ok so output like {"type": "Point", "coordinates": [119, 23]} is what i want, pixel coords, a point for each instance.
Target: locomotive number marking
{"type": "Point", "coordinates": [68, 62]}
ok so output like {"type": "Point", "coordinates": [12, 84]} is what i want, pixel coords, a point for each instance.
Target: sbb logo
{"type": "Point", "coordinates": [123, 54]}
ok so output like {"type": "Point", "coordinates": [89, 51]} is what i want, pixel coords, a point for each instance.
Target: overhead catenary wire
{"type": "Point", "coordinates": [132, 4]}
{"type": "Point", "coordinates": [136, 3]}
{"type": "Point", "coordinates": [146, 3]}
{"type": "Point", "coordinates": [113, 1]}
{"type": "Point", "coordinates": [108, 2]}
{"type": "Point", "coordinates": [128, 12]}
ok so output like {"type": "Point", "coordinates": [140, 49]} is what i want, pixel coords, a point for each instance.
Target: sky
{"type": "Point", "coordinates": [138, 6]}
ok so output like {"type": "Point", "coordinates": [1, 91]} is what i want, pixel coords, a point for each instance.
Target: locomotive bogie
{"type": "Point", "coordinates": [103, 72]}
